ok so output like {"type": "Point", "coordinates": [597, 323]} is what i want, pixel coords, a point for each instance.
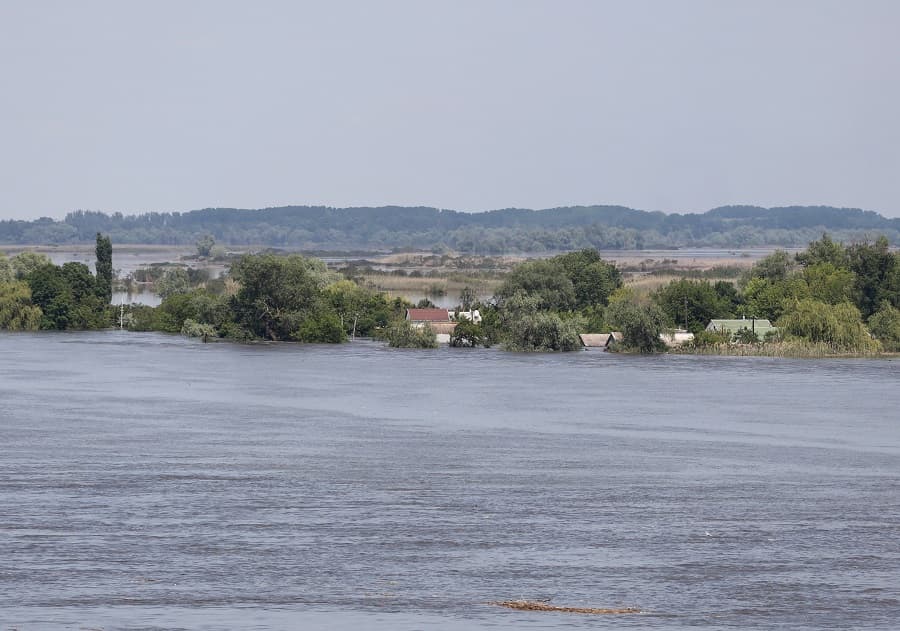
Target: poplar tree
{"type": "Point", "coordinates": [104, 268]}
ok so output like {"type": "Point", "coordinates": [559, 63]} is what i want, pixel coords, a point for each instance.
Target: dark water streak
{"type": "Point", "coordinates": [148, 481]}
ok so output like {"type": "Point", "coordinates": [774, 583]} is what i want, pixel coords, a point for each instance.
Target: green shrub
{"type": "Point", "coordinates": [192, 328]}
{"type": "Point", "coordinates": [402, 334]}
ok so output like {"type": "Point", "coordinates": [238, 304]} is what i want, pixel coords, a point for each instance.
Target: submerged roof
{"type": "Point", "coordinates": [594, 340]}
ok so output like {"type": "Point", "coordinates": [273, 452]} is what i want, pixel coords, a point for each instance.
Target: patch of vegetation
{"type": "Point", "coordinates": [402, 334]}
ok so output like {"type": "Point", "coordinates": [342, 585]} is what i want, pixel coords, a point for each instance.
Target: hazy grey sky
{"type": "Point", "coordinates": [681, 106]}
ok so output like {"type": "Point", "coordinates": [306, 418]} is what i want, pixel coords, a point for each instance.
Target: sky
{"type": "Point", "coordinates": [471, 104]}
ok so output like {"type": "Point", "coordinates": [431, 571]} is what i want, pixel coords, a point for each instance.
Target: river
{"type": "Point", "coordinates": [154, 482]}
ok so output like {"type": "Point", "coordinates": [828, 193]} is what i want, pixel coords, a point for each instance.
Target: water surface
{"type": "Point", "coordinates": [149, 481]}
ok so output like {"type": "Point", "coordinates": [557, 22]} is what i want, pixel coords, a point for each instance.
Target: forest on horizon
{"type": "Point", "coordinates": [513, 230]}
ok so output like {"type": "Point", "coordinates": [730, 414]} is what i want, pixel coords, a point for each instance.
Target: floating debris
{"type": "Point", "coordinates": [531, 605]}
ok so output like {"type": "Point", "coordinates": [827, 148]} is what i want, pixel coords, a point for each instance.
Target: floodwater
{"type": "Point", "coordinates": [153, 482]}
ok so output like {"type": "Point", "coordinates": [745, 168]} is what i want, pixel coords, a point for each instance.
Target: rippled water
{"type": "Point", "coordinates": [148, 481]}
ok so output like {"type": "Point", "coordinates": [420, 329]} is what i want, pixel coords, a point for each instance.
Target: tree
{"type": "Point", "coordinates": [728, 294]}
{"type": "Point", "coordinates": [592, 278]}
{"type": "Point", "coordinates": [829, 283]}
{"type": "Point", "coordinates": [6, 270]}
{"type": "Point", "coordinates": [541, 331]}
{"type": "Point", "coordinates": [839, 326]}
{"type": "Point", "coordinates": [467, 297]}
{"type": "Point", "coordinates": [173, 312]}
{"type": "Point", "coordinates": [26, 262]}
{"type": "Point", "coordinates": [543, 279]}
{"type": "Point", "coordinates": [205, 245]}
{"type": "Point", "coordinates": [104, 267]}
{"type": "Point", "coordinates": [67, 297]}
{"type": "Point", "coordinates": [192, 328]}
{"type": "Point", "coordinates": [767, 298]}
{"type": "Point", "coordinates": [173, 281]}
{"type": "Point", "coordinates": [775, 267]}
{"type": "Point", "coordinates": [569, 281]}
{"type": "Point", "coordinates": [524, 327]}
{"type": "Point", "coordinates": [745, 336]}
{"type": "Point", "coordinates": [877, 272]}
{"type": "Point", "coordinates": [52, 294]}
{"type": "Point", "coordinates": [320, 326]}
{"type": "Point", "coordinates": [402, 334]}
{"type": "Point", "coordinates": [17, 312]}
{"type": "Point", "coordinates": [698, 301]}
{"type": "Point", "coordinates": [885, 326]}
{"type": "Point", "coordinates": [824, 251]}
{"type": "Point", "coordinates": [468, 334]}
{"type": "Point", "coordinates": [640, 326]}
{"type": "Point", "coordinates": [277, 294]}
{"type": "Point", "coordinates": [359, 309]}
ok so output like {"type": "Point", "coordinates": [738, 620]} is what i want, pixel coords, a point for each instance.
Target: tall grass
{"type": "Point", "coordinates": [790, 348]}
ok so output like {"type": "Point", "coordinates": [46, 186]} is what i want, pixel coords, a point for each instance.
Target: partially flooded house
{"type": "Point", "coordinates": [438, 320]}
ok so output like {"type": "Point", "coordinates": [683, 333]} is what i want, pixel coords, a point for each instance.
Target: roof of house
{"type": "Point", "coordinates": [594, 340]}
{"type": "Point", "coordinates": [743, 323]}
{"type": "Point", "coordinates": [428, 315]}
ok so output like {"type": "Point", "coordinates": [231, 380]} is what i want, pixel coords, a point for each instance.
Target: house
{"type": "Point", "coordinates": [760, 326]}
{"type": "Point", "coordinates": [599, 340]}
{"type": "Point", "coordinates": [437, 319]}
{"type": "Point", "coordinates": [594, 340]}
{"type": "Point", "coordinates": [676, 337]}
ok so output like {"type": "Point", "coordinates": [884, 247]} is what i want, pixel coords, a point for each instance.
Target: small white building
{"type": "Point", "coordinates": [472, 316]}
{"type": "Point", "coordinates": [676, 337]}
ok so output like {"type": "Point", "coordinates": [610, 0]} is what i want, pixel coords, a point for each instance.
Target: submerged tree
{"type": "Point", "coordinates": [640, 326]}
{"type": "Point", "coordinates": [402, 334]}
{"type": "Point", "coordinates": [67, 297]}
{"type": "Point", "coordinates": [281, 298]}
{"type": "Point", "coordinates": [527, 328]}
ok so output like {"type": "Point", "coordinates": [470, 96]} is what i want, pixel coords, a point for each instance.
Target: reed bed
{"type": "Point", "coordinates": [531, 605]}
{"type": "Point", "coordinates": [792, 349]}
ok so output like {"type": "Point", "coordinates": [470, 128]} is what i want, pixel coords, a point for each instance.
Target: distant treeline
{"type": "Point", "coordinates": [493, 232]}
